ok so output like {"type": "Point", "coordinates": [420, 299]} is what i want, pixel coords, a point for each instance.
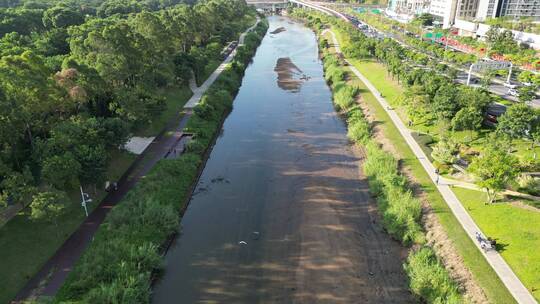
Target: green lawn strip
{"type": "Point", "coordinates": [175, 98]}
{"type": "Point", "coordinates": [473, 259]}
{"type": "Point", "coordinates": [516, 230]}
{"type": "Point", "coordinates": [27, 245]}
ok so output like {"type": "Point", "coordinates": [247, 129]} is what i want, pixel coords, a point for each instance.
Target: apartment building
{"type": "Point", "coordinates": [409, 7]}
{"type": "Point", "coordinates": [445, 9]}
{"type": "Point", "coordinates": [519, 8]}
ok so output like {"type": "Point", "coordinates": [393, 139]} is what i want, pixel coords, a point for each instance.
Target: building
{"type": "Point", "coordinates": [407, 9]}
{"type": "Point", "coordinates": [480, 10]}
{"type": "Point", "coordinates": [445, 10]}
{"type": "Point", "coordinates": [454, 12]}
{"type": "Point", "coordinates": [520, 8]}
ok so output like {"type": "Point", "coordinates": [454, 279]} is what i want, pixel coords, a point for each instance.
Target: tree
{"type": "Point", "coordinates": [61, 171]}
{"type": "Point", "coordinates": [424, 19]}
{"type": "Point", "coordinates": [445, 151]}
{"type": "Point", "coordinates": [473, 97]}
{"type": "Point", "coordinates": [444, 103]}
{"type": "Point", "coordinates": [485, 82]}
{"type": "Point", "coordinates": [468, 118]}
{"type": "Point", "coordinates": [517, 121]}
{"type": "Point", "coordinates": [62, 16]}
{"type": "Point", "coordinates": [16, 187]}
{"type": "Point", "coordinates": [527, 93]}
{"type": "Point", "coordinates": [501, 41]}
{"type": "Point", "coordinates": [526, 76]}
{"type": "Point", "coordinates": [493, 169]}
{"type": "Point", "coordinates": [48, 206]}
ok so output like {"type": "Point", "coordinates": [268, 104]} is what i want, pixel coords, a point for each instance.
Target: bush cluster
{"type": "Point", "coordinates": [118, 265]}
{"type": "Point", "coordinates": [429, 279]}
{"type": "Point", "coordinates": [344, 95]}
{"type": "Point", "coordinates": [401, 211]}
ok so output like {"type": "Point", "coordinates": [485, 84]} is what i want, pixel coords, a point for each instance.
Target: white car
{"type": "Point", "coordinates": [509, 85]}
{"type": "Point", "coordinates": [513, 92]}
{"type": "Point", "coordinates": [527, 84]}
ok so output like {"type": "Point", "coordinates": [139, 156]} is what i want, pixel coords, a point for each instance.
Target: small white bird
{"type": "Point", "coordinates": [242, 243]}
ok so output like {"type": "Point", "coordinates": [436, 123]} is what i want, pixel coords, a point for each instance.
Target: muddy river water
{"type": "Point", "coordinates": [281, 213]}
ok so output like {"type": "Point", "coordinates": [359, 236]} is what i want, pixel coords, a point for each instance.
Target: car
{"type": "Point", "coordinates": [527, 84]}
{"type": "Point", "coordinates": [513, 92]}
{"type": "Point", "coordinates": [509, 85]}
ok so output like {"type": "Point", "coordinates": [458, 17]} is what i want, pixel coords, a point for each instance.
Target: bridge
{"type": "Point", "coordinates": [281, 4]}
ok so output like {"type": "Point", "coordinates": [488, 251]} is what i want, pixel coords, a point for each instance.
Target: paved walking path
{"type": "Point", "coordinates": [461, 184]}
{"type": "Point", "coordinates": [505, 273]}
{"type": "Point", "coordinates": [52, 275]}
{"type": "Point", "coordinates": [198, 92]}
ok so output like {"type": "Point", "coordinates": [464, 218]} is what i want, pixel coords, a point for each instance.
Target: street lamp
{"type": "Point", "coordinates": [85, 199]}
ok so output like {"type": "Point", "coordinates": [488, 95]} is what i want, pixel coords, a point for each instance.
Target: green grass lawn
{"type": "Point", "coordinates": [517, 230]}
{"type": "Point", "coordinates": [176, 97]}
{"type": "Point", "coordinates": [208, 69]}
{"type": "Point", "coordinates": [27, 245]}
{"type": "Point", "coordinates": [472, 257]}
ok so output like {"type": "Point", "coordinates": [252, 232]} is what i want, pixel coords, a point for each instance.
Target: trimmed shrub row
{"type": "Point", "coordinates": [118, 265]}
{"type": "Point", "coordinates": [401, 211]}
{"type": "Point", "coordinates": [344, 95]}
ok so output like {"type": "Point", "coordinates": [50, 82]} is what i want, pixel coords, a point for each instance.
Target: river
{"type": "Point", "coordinates": [281, 213]}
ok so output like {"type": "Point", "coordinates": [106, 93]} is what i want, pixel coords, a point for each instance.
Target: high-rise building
{"type": "Point", "coordinates": [480, 10]}
{"type": "Point", "coordinates": [520, 8]}
{"type": "Point", "coordinates": [409, 7]}
{"type": "Point", "coordinates": [467, 9]}
{"type": "Point", "coordinates": [445, 9]}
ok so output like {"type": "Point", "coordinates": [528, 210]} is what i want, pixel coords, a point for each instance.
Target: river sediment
{"type": "Point", "coordinates": [281, 213]}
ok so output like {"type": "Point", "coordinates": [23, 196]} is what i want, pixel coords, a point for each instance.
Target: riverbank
{"type": "Point", "coordinates": [491, 272]}
{"type": "Point", "coordinates": [125, 251]}
{"type": "Point", "coordinates": [487, 277]}
{"type": "Point", "coordinates": [281, 212]}
{"type": "Point", "coordinates": [400, 211]}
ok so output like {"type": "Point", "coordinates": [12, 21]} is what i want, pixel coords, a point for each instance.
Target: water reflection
{"type": "Point", "coordinates": [281, 214]}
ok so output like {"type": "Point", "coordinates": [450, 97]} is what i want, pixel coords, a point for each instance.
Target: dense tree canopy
{"type": "Point", "coordinates": [77, 76]}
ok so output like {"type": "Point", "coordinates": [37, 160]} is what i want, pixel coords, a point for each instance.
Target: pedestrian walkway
{"type": "Point", "coordinates": [505, 273]}
{"type": "Point", "coordinates": [471, 186]}
{"type": "Point", "coordinates": [52, 275]}
{"type": "Point", "coordinates": [198, 92]}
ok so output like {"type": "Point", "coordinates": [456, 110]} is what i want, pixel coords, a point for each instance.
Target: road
{"type": "Point", "coordinates": [496, 85]}
{"type": "Point", "coordinates": [505, 273]}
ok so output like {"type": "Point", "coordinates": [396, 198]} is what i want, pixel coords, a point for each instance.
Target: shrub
{"type": "Point", "coordinates": [117, 266]}
{"type": "Point", "coordinates": [359, 129]}
{"type": "Point", "coordinates": [429, 279]}
{"type": "Point", "coordinates": [344, 97]}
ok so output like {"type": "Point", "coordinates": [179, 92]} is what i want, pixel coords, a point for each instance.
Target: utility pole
{"type": "Point", "coordinates": [85, 199]}
{"type": "Point", "coordinates": [509, 73]}
{"type": "Point", "coordinates": [469, 76]}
